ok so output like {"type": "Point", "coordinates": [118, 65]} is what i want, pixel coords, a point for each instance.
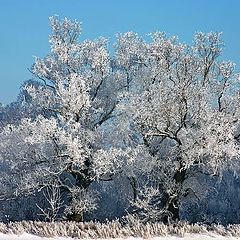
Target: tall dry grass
{"type": "Point", "coordinates": [114, 229]}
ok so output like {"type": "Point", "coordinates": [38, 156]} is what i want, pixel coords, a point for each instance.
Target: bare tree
{"type": "Point", "coordinates": [55, 203]}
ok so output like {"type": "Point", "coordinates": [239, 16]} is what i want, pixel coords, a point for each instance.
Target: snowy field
{"type": "Point", "coordinates": [187, 237]}
{"type": "Point", "coordinates": [30, 230]}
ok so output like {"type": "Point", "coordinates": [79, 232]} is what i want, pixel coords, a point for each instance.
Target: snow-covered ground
{"type": "Point", "coordinates": [27, 236]}
{"type": "Point", "coordinates": [187, 237]}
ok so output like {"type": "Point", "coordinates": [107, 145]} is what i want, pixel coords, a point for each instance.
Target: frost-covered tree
{"type": "Point", "coordinates": [155, 113]}
{"type": "Point", "coordinates": [60, 147]}
{"type": "Point", "coordinates": [13, 112]}
{"type": "Point", "coordinates": [183, 104]}
{"type": "Point", "coordinates": [75, 95]}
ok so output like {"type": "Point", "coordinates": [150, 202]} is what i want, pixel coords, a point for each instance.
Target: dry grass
{"type": "Point", "coordinates": [115, 229]}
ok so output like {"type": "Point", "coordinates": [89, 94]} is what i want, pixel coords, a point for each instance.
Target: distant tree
{"type": "Point", "coordinates": [156, 113]}
{"type": "Point", "coordinates": [13, 112]}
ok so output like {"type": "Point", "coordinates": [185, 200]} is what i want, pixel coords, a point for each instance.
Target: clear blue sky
{"type": "Point", "coordinates": [25, 29]}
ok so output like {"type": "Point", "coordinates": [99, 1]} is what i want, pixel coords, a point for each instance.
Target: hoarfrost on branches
{"type": "Point", "coordinates": [156, 113]}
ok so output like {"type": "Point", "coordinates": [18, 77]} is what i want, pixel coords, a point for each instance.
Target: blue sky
{"type": "Point", "coordinates": [24, 27]}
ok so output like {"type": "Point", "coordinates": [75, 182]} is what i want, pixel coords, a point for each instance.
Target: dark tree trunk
{"type": "Point", "coordinates": [173, 208]}
{"type": "Point", "coordinates": [133, 184]}
{"type": "Point", "coordinates": [83, 180]}
{"type": "Point", "coordinates": [75, 217]}
{"type": "Point", "coordinates": [172, 203]}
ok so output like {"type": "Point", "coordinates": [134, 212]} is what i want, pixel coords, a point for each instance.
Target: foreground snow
{"type": "Point", "coordinates": [26, 236]}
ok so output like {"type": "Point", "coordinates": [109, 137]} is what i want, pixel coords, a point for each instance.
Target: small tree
{"type": "Point", "coordinates": [54, 204]}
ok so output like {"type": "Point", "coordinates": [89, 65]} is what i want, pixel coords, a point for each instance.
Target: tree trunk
{"type": "Point", "coordinates": [83, 180]}
{"type": "Point", "coordinates": [171, 203]}
{"type": "Point", "coordinates": [75, 217]}
{"type": "Point", "coordinates": [133, 184]}
{"type": "Point", "coordinates": [173, 208]}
